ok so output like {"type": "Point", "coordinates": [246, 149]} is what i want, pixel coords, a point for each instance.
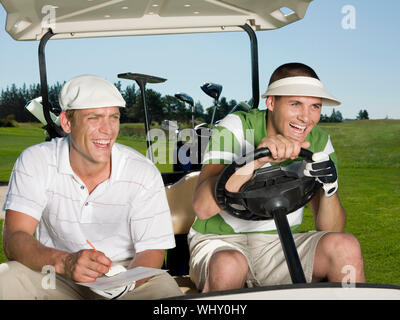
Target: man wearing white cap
{"type": "Point", "coordinates": [230, 253]}
{"type": "Point", "coordinates": [92, 204]}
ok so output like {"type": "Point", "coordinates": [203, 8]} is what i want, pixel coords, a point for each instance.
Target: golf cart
{"type": "Point", "coordinates": [106, 18]}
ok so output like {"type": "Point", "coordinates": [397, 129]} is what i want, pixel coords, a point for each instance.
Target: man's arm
{"type": "Point", "coordinates": [328, 212]}
{"type": "Point", "coordinates": [204, 203]}
{"type": "Point", "coordinates": [20, 245]}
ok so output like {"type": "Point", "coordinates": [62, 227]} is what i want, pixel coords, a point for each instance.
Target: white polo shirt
{"type": "Point", "coordinates": [126, 214]}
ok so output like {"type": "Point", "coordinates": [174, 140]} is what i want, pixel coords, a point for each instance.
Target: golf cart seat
{"type": "Point", "coordinates": [180, 196]}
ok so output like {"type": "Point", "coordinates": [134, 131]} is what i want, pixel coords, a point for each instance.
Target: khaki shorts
{"type": "Point", "coordinates": [264, 254]}
{"type": "Point", "coordinates": [18, 282]}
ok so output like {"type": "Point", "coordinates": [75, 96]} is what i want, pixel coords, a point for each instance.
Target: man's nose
{"type": "Point", "coordinates": [105, 126]}
{"type": "Point", "coordinates": [304, 114]}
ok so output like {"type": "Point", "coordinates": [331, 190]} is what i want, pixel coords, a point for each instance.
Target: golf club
{"type": "Point", "coordinates": [142, 80]}
{"type": "Point", "coordinates": [214, 91]}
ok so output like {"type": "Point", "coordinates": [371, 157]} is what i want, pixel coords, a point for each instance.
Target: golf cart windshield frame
{"type": "Point", "coordinates": [37, 20]}
{"type": "Point", "coordinates": [55, 131]}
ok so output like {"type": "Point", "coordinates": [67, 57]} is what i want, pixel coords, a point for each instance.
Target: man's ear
{"type": "Point", "coordinates": [65, 122]}
{"type": "Point", "coordinates": [270, 103]}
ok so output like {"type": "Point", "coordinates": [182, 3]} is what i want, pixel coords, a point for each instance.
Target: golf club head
{"type": "Point", "coordinates": [212, 89]}
{"type": "Point", "coordinates": [185, 98]}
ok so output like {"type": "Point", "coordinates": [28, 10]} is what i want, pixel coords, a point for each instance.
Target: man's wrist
{"type": "Point", "coordinates": [330, 188]}
{"type": "Point", "coordinates": [60, 261]}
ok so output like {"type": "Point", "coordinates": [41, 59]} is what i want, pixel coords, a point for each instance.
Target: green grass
{"type": "Point", "coordinates": [366, 143]}
{"type": "Point", "coordinates": [14, 140]}
{"type": "Point", "coordinates": [369, 188]}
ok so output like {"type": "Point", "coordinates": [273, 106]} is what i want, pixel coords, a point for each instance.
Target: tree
{"type": "Point", "coordinates": [363, 115]}
{"type": "Point", "coordinates": [154, 108]}
{"type": "Point", "coordinates": [198, 111]}
{"type": "Point", "coordinates": [130, 96]}
{"type": "Point", "coordinates": [223, 108]}
{"type": "Point", "coordinates": [54, 92]}
{"type": "Point", "coordinates": [13, 100]}
{"type": "Point", "coordinates": [324, 118]}
{"type": "Point", "coordinates": [336, 116]}
{"type": "Point", "coordinates": [171, 107]}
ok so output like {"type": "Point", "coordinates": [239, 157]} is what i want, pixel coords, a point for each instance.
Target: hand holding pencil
{"type": "Point", "coordinates": [86, 265]}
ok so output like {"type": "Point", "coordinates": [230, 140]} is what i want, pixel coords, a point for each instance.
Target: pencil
{"type": "Point", "coordinates": [91, 245]}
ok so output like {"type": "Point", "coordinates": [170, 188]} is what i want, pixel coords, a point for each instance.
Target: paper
{"type": "Point", "coordinates": [122, 279]}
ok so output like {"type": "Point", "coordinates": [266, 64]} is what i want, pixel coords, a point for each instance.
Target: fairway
{"type": "Point", "coordinates": [369, 189]}
{"type": "Point", "coordinates": [14, 140]}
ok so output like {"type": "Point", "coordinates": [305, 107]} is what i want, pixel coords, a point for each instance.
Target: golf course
{"type": "Point", "coordinates": [369, 188]}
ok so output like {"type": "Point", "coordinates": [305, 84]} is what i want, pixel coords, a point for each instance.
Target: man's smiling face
{"type": "Point", "coordinates": [93, 133]}
{"type": "Point", "coordinates": [293, 116]}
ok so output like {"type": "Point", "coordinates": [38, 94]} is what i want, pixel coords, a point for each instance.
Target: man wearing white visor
{"type": "Point", "coordinates": [95, 207]}
{"type": "Point", "coordinates": [231, 253]}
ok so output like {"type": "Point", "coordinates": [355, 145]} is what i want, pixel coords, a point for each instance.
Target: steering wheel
{"type": "Point", "coordinates": [273, 189]}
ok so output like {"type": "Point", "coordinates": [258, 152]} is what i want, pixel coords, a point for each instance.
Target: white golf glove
{"type": "Point", "coordinates": [115, 293]}
{"type": "Point", "coordinates": [323, 169]}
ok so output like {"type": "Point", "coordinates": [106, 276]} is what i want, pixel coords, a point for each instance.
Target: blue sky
{"type": "Point", "coordinates": [358, 66]}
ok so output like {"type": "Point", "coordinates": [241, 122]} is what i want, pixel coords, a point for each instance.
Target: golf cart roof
{"type": "Point", "coordinates": [31, 19]}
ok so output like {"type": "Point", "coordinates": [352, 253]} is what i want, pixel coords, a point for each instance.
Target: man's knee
{"type": "Point", "coordinates": [343, 245]}
{"type": "Point", "coordinates": [228, 260]}
{"type": "Point", "coordinates": [227, 269]}
{"type": "Point", "coordinates": [335, 252]}
{"type": "Point", "coordinates": [228, 265]}
{"type": "Point", "coordinates": [341, 249]}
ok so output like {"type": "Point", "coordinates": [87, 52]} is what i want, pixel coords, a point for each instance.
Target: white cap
{"type": "Point", "coordinates": [89, 91]}
{"type": "Point", "coordinates": [301, 86]}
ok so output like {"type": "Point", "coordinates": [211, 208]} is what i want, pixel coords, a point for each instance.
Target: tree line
{"type": "Point", "coordinates": [336, 116]}
{"type": "Point", "coordinates": [13, 101]}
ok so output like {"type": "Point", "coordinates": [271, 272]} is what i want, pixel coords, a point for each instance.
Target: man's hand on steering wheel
{"type": "Point", "coordinates": [324, 170]}
{"type": "Point", "coordinates": [281, 147]}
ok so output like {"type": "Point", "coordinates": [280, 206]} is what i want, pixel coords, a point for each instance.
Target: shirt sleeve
{"type": "Point", "coordinates": [222, 148]}
{"type": "Point", "coordinates": [151, 222]}
{"type": "Point", "coordinates": [26, 188]}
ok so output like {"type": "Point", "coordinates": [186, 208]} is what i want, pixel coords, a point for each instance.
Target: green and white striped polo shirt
{"type": "Point", "coordinates": [236, 135]}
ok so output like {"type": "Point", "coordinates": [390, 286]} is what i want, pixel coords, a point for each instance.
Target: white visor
{"type": "Point", "coordinates": [301, 86]}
